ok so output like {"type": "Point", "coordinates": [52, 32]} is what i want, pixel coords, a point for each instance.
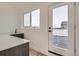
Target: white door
{"type": "Point", "coordinates": [61, 29]}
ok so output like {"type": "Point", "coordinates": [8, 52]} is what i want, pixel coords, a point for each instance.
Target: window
{"type": "Point", "coordinates": [60, 26]}
{"type": "Point", "coordinates": [60, 16]}
{"type": "Point", "coordinates": [32, 18]}
{"type": "Point", "coordinates": [35, 18]}
{"type": "Point", "coordinates": [27, 19]}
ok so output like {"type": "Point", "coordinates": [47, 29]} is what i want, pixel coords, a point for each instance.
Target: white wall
{"type": "Point", "coordinates": [38, 37]}
{"type": "Point", "coordinates": [8, 18]}
{"type": "Point", "coordinates": [11, 17]}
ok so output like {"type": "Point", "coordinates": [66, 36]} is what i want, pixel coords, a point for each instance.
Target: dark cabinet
{"type": "Point", "coordinates": [20, 35]}
{"type": "Point", "coordinates": [21, 50]}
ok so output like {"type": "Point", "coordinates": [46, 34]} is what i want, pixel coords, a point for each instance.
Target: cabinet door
{"type": "Point", "coordinates": [21, 50]}
{"type": "Point", "coordinates": [10, 52]}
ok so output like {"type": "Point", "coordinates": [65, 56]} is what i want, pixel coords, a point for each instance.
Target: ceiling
{"type": "Point", "coordinates": [29, 3]}
{"type": "Point", "coordinates": [21, 6]}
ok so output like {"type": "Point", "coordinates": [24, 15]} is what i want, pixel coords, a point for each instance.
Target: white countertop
{"type": "Point", "coordinates": [7, 41]}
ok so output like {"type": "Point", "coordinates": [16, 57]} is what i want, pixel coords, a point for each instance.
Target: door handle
{"type": "Point", "coordinates": [49, 31]}
{"type": "Point", "coordinates": [49, 27]}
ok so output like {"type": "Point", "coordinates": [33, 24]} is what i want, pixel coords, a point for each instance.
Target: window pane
{"type": "Point", "coordinates": [35, 15]}
{"type": "Point", "coordinates": [60, 27]}
{"type": "Point", "coordinates": [27, 19]}
{"type": "Point", "coordinates": [60, 15]}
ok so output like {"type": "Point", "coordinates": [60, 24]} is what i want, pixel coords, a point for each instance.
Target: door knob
{"type": "Point", "coordinates": [49, 27]}
{"type": "Point", "coordinates": [49, 31]}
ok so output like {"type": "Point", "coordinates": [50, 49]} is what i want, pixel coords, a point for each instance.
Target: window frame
{"type": "Point", "coordinates": [31, 19]}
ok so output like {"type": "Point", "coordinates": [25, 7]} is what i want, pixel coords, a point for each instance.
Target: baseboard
{"type": "Point", "coordinates": [37, 51]}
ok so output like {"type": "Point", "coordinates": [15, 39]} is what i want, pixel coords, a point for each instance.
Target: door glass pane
{"type": "Point", "coordinates": [60, 27]}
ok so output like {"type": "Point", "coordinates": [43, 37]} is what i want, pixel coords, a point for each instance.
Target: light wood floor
{"type": "Point", "coordinates": [35, 53]}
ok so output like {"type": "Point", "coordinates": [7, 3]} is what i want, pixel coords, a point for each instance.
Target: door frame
{"type": "Point", "coordinates": [71, 31]}
{"type": "Point", "coordinates": [77, 28]}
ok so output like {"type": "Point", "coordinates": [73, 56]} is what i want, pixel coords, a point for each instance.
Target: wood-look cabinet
{"type": "Point", "coordinates": [20, 35]}
{"type": "Point", "coordinates": [21, 50]}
